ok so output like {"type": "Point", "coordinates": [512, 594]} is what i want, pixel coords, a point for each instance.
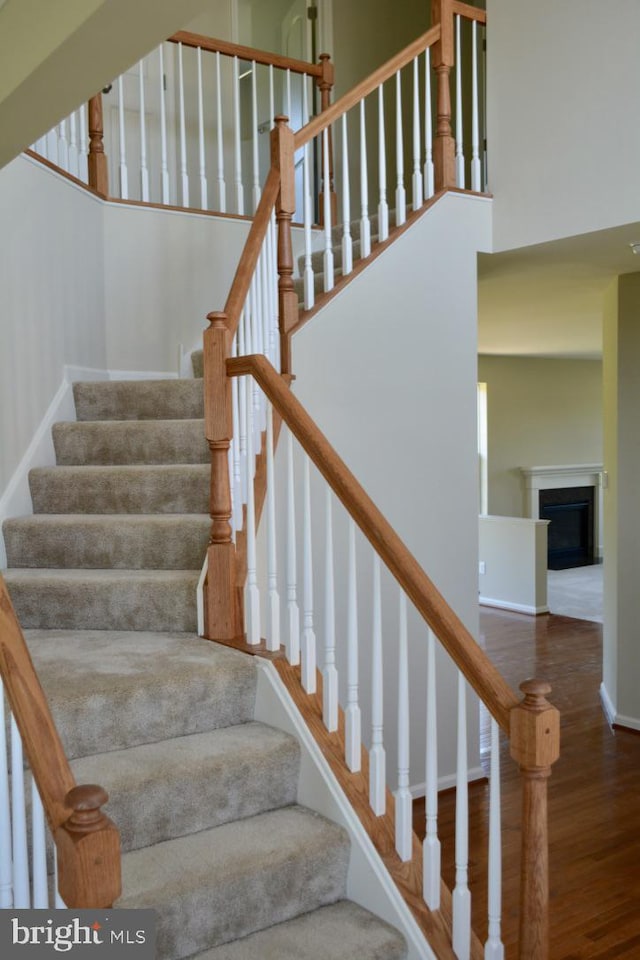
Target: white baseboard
{"type": "Point", "coordinates": [368, 882]}
{"type": "Point", "coordinates": [514, 607]}
{"type": "Point", "coordinates": [630, 723]}
{"type": "Point", "coordinates": [446, 783]}
{"type": "Point", "coordinates": [607, 705]}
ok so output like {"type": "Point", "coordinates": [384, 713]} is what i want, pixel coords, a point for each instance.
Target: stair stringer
{"type": "Point", "coordinates": [369, 883]}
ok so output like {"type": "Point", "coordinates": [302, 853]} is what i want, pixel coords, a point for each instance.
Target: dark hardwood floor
{"type": "Point", "coordinates": [594, 798]}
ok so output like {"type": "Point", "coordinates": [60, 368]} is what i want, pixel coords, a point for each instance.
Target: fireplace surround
{"type": "Point", "coordinates": [568, 477]}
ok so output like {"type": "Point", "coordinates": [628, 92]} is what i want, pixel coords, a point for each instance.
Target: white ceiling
{"type": "Point", "coordinates": [546, 300]}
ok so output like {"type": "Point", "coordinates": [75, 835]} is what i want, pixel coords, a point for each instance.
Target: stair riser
{"type": "Point", "coordinates": [163, 489]}
{"type": "Point", "coordinates": [178, 441]}
{"type": "Point", "coordinates": [139, 400]}
{"type": "Point", "coordinates": [125, 543]}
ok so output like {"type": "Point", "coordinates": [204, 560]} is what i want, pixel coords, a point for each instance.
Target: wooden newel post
{"type": "Point", "coordinates": [88, 846]}
{"type": "Point", "coordinates": [444, 147]}
{"type": "Point", "coordinates": [282, 157]}
{"type": "Point", "coordinates": [220, 597]}
{"type": "Point", "coordinates": [325, 84]}
{"type": "Point", "coordinates": [97, 160]}
{"type": "Point", "coordinates": [535, 746]}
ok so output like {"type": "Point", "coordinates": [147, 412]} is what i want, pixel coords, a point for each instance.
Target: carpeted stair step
{"type": "Point", "coordinates": [130, 442]}
{"type": "Point", "coordinates": [318, 284]}
{"type": "Point", "coordinates": [112, 690]}
{"type": "Point", "coordinates": [104, 599]}
{"type": "Point", "coordinates": [116, 541]}
{"type": "Point", "coordinates": [139, 400]}
{"type": "Point", "coordinates": [317, 258]}
{"type": "Point", "coordinates": [221, 884]}
{"type": "Point", "coordinates": [154, 488]}
{"type": "Point", "coordinates": [341, 931]}
{"type": "Point", "coordinates": [163, 790]}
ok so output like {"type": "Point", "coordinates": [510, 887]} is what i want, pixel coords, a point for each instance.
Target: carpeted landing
{"type": "Point", "coordinates": [103, 578]}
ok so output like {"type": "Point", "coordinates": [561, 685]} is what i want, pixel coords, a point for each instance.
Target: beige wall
{"type": "Point", "coordinates": [562, 102]}
{"type": "Point", "coordinates": [540, 412]}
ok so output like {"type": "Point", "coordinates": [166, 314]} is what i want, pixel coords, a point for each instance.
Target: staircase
{"type": "Point", "coordinates": [103, 578]}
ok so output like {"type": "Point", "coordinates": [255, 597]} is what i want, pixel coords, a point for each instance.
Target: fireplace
{"type": "Point", "coordinates": [570, 538]}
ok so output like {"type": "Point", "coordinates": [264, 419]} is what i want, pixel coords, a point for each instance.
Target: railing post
{"type": "Point", "coordinates": [444, 148]}
{"type": "Point", "coordinates": [97, 160]}
{"type": "Point", "coordinates": [88, 846]}
{"type": "Point", "coordinates": [282, 158]}
{"type": "Point", "coordinates": [325, 83]}
{"type": "Point", "coordinates": [535, 746]}
{"type": "Point", "coordinates": [220, 599]}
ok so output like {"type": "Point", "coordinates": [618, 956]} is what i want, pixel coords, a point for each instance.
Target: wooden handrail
{"type": "Point", "coordinates": [481, 674]}
{"type": "Point", "coordinates": [88, 852]}
{"type": "Point", "coordinates": [365, 87]}
{"type": "Point", "coordinates": [468, 12]}
{"type": "Point", "coordinates": [246, 53]}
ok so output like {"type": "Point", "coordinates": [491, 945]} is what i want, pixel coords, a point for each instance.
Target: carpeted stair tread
{"type": "Point", "coordinates": [318, 284]}
{"type": "Point", "coordinates": [341, 931]}
{"type": "Point", "coordinates": [159, 791]}
{"type": "Point", "coordinates": [113, 690]}
{"type": "Point", "coordinates": [139, 400]}
{"type": "Point", "coordinates": [236, 878]}
{"type": "Point", "coordinates": [317, 258]}
{"type": "Point", "coordinates": [115, 541]}
{"type": "Point", "coordinates": [130, 442]}
{"type": "Point", "coordinates": [149, 488]}
{"type": "Point", "coordinates": [104, 599]}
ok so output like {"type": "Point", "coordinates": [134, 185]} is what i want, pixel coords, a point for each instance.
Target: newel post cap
{"type": "Point", "coordinates": [535, 728]}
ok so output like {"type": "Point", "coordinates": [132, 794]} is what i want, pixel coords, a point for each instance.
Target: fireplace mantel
{"type": "Point", "coordinates": [552, 477]}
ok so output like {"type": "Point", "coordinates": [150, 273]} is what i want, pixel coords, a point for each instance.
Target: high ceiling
{"type": "Point", "coordinates": [546, 300]}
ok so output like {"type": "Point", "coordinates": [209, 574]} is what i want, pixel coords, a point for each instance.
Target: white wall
{"type": "Point", "coordinates": [563, 91]}
{"type": "Point", "coordinates": [513, 564]}
{"type": "Point", "coordinates": [389, 373]}
{"type": "Point", "coordinates": [539, 412]}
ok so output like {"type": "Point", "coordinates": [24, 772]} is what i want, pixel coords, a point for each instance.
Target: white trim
{"type": "Point", "coordinates": [607, 705]}
{"type": "Point", "coordinates": [446, 783]}
{"type": "Point", "coordinates": [630, 723]}
{"type": "Point", "coordinates": [369, 883]}
{"type": "Point", "coordinates": [200, 594]}
{"type": "Point", "coordinates": [514, 607]}
{"type": "Point", "coordinates": [141, 375]}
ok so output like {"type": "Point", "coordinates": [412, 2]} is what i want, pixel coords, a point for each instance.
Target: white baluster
{"type": "Point", "coordinates": [184, 175]}
{"type": "Point", "coordinates": [222, 188]}
{"type": "Point", "coordinates": [293, 613]}
{"type": "Point", "coordinates": [253, 593]}
{"type": "Point", "coordinates": [40, 146]}
{"type": "Point", "coordinates": [326, 198]}
{"type": "Point", "coordinates": [404, 800]}
{"type": "Point", "coordinates": [287, 109]}
{"type": "Point", "coordinates": [236, 139]}
{"type": "Point", "coordinates": [429, 186]}
{"type": "Point", "coordinates": [254, 135]}
{"type": "Point", "coordinates": [272, 99]}
{"type": "Point", "coordinates": [493, 948]}
{"type": "Point", "coordinates": [204, 200]}
{"type": "Point", "coordinates": [417, 187]}
{"type": "Point", "coordinates": [459, 148]}
{"type": "Point", "coordinates": [242, 404]}
{"type": "Point", "coordinates": [365, 223]}
{"type": "Point", "coordinates": [347, 243]}
{"type": "Point", "coordinates": [475, 130]}
{"type": "Point", "coordinates": [63, 146]}
{"type": "Point", "coordinates": [273, 635]}
{"type": "Point", "coordinates": [144, 170]}
{"type": "Point", "coordinates": [274, 331]}
{"type": "Point", "coordinates": [308, 645]}
{"type": "Point", "coordinates": [352, 717]}
{"type": "Point", "coordinates": [164, 165]}
{"type": "Point", "coordinates": [383, 206]}
{"type": "Point", "coordinates": [21, 898]}
{"type": "Point", "coordinates": [122, 166]}
{"type": "Point", "coordinates": [6, 871]}
{"type": "Point", "coordinates": [83, 148]}
{"type": "Point", "coordinates": [235, 444]}
{"type": "Point", "coordinates": [59, 902]}
{"type": "Point", "coordinates": [73, 145]}
{"type": "Point", "coordinates": [401, 193]}
{"type": "Point", "coordinates": [431, 848]}
{"type": "Point", "coordinates": [39, 851]}
{"type": "Point", "coordinates": [461, 940]}
{"type": "Point", "coordinates": [52, 145]}
{"type": "Point", "coordinates": [329, 673]}
{"type": "Point", "coordinates": [377, 759]}
{"type": "Point", "coordinates": [309, 292]}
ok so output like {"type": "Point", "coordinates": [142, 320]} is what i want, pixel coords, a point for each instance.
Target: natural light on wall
{"type": "Point", "coordinates": [482, 449]}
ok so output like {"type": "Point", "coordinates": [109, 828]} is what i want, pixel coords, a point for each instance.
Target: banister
{"type": "Point", "coordinates": [365, 87]}
{"type": "Point", "coordinates": [481, 674]}
{"type": "Point", "coordinates": [468, 12]}
{"type": "Point", "coordinates": [212, 45]}
{"type": "Point", "coordinates": [89, 860]}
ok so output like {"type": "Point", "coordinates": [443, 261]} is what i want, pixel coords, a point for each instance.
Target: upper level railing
{"type": "Point", "coordinates": [246, 398]}
{"type": "Point", "coordinates": [86, 842]}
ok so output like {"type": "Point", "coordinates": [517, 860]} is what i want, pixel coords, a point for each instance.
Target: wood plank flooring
{"type": "Point", "coordinates": [594, 798]}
